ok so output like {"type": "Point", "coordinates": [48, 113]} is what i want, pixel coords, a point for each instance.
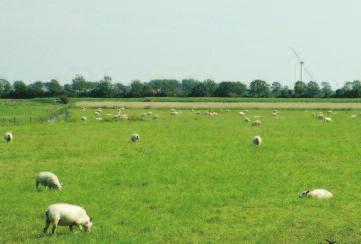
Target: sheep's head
{"type": "Point", "coordinates": [304, 194]}
{"type": "Point", "coordinates": [88, 225]}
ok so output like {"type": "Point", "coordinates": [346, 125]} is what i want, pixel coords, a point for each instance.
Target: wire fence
{"type": "Point", "coordinates": [58, 115]}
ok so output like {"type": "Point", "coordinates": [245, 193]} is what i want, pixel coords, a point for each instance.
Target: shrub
{"type": "Point", "coordinates": [64, 99]}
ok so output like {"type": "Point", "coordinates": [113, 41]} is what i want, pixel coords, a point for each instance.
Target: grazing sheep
{"type": "Point", "coordinates": [275, 113]}
{"type": "Point", "coordinates": [246, 119]}
{"type": "Point", "coordinates": [354, 116]}
{"type": "Point", "coordinates": [256, 123]}
{"type": "Point", "coordinates": [328, 119]}
{"type": "Point", "coordinates": [96, 113]}
{"type": "Point", "coordinates": [49, 180]}
{"type": "Point", "coordinates": [135, 137]}
{"type": "Point", "coordinates": [257, 140]}
{"type": "Point", "coordinates": [320, 116]}
{"type": "Point", "coordinates": [8, 137]}
{"type": "Point", "coordinates": [99, 119]}
{"type": "Point", "coordinates": [317, 193]}
{"type": "Point", "coordinates": [174, 113]}
{"type": "Point", "coordinates": [84, 118]}
{"type": "Point", "coordinates": [242, 113]}
{"type": "Point", "coordinates": [63, 214]}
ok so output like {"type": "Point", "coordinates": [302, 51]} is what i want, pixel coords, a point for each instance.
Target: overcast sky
{"type": "Point", "coordinates": [146, 39]}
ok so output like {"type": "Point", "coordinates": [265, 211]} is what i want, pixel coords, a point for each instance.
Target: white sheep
{"type": "Point", "coordinates": [8, 137]}
{"type": "Point", "coordinates": [317, 193]}
{"type": "Point", "coordinates": [135, 137]}
{"type": "Point", "coordinates": [49, 180]}
{"type": "Point", "coordinates": [242, 113]}
{"type": "Point", "coordinates": [354, 116]}
{"type": "Point", "coordinates": [84, 118]}
{"type": "Point", "coordinates": [328, 119]}
{"type": "Point", "coordinates": [174, 113]}
{"type": "Point", "coordinates": [63, 214]}
{"type": "Point", "coordinates": [96, 113]}
{"type": "Point", "coordinates": [256, 123]}
{"type": "Point", "coordinates": [149, 113]}
{"type": "Point", "coordinates": [257, 140]}
{"type": "Point", "coordinates": [99, 118]}
{"type": "Point", "coordinates": [246, 119]}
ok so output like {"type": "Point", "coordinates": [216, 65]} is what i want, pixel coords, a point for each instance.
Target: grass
{"type": "Point", "coordinates": [227, 99]}
{"type": "Point", "coordinates": [192, 178]}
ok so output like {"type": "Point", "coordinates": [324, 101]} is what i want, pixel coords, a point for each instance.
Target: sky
{"type": "Point", "coordinates": [238, 40]}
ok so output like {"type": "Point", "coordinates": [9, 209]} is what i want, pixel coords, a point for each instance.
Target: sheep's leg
{"type": "Point", "coordinates": [47, 223]}
{"type": "Point", "coordinates": [55, 225]}
{"type": "Point", "coordinates": [71, 227]}
{"type": "Point", "coordinates": [37, 185]}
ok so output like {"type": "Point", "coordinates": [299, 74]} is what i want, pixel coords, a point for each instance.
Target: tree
{"type": "Point", "coordinates": [79, 84]}
{"type": "Point", "coordinates": [5, 88]}
{"type": "Point", "coordinates": [136, 89]}
{"type": "Point", "coordinates": [326, 90]}
{"type": "Point", "coordinates": [356, 88]}
{"type": "Point", "coordinates": [103, 87]}
{"type": "Point", "coordinates": [188, 85]}
{"type": "Point", "coordinates": [259, 88]}
{"type": "Point", "coordinates": [286, 92]}
{"type": "Point", "coordinates": [231, 89]}
{"type": "Point", "coordinates": [276, 89]}
{"type": "Point", "coordinates": [300, 89]}
{"type": "Point", "coordinates": [313, 89]}
{"type": "Point", "coordinates": [20, 90]}
{"type": "Point", "coordinates": [119, 90]}
{"type": "Point", "coordinates": [36, 89]}
{"type": "Point", "coordinates": [210, 87]}
{"type": "Point", "coordinates": [54, 88]}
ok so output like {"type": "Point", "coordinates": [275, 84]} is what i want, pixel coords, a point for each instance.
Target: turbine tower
{"type": "Point", "coordinates": [302, 66]}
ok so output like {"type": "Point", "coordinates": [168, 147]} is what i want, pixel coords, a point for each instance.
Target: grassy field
{"type": "Point", "coordinates": [192, 178]}
{"type": "Point", "coordinates": [227, 99]}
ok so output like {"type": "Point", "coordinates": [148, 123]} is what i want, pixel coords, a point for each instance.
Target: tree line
{"type": "Point", "coordinates": [105, 88]}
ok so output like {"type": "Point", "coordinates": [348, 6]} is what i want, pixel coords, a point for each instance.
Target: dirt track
{"type": "Point", "coordinates": [267, 105]}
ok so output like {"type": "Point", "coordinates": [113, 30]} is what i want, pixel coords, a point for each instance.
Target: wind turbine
{"type": "Point", "coordinates": [302, 65]}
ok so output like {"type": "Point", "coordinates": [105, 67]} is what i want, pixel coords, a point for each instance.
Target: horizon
{"type": "Point", "coordinates": [231, 41]}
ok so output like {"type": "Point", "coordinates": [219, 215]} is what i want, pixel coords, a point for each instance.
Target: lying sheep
{"type": "Point", "coordinates": [8, 137]}
{"type": "Point", "coordinates": [317, 193]}
{"type": "Point", "coordinates": [257, 140]}
{"type": "Point", "coordinates": [84, 118]}
{"type": "Point", "coordinates": [63, 214]}
{"type": "Point", "coordinates": [135, 137]}
{"type": "Point", "coordinates": [256, 123]}
{"type": "Point", "coordinates": [49, 180]}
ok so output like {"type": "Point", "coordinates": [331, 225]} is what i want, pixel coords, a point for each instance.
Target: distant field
{"type": "Point", "coordinates": [192, 178]}
{"type": "Point", "coordinates": [233, 105]}
{"type": "Point", "coordinates": [229, 100]}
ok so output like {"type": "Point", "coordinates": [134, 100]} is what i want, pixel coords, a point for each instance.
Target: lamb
{"type": "Point", "coordinates": [8, 137]}
{"type": "Point", "coordinates": [63, 214]}
{"type": "Point", "coordinates": [135, 137]}
{"type": "Point", "coordinates": [256, 123]}
{"type": "Point", "coordinates": [317, 193]}
{"type": "Point", "coordinates": [49, 180]}
{"type": "Point", "coordinates": [257, 140]}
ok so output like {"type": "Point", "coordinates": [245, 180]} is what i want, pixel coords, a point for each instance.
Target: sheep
{"type": "Point", "coordinates": [96, 113]}
{"type": "Point", "coordinates": [354, 116]}
{"type": "Point", "coordinates": [242, 113]}
{"type": "Point", "coordinates": [317, 193]}
{"type": "Point", "coordinates": [320, 116]}
{"type": "Point", "coordinates": [135, 137]}
{"type": "Point", "coordinates": [49, 180]}
{"type": "Point", "coordinates": [256, 123]}
{"type": "Point", "coordinates": [149, 113]}
{"type": "Point", "coordinates": [63, 214]}
{"type": "Point", "coordinates": [198, 112]}
{"type": "Point", "coordinates": [8, 137]}
{"type": "Point", "coordinates": [246, 119]}
{"type": "Point", "coordinates": [257, 140]}
{"type": "Point", "coordinates": [328, 119]}
{"type": "Point", "coordinates": [99, 118]}
{"type": "Point", "coordinates": [156, 116]}
{"type": "Point", "coordinates": [84, 118]}
{"type": "Point", "coordinates": [174, 113]}
{"type": "Point", "coordinates": [275, 113]}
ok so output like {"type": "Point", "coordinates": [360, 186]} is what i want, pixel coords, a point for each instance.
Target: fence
{"type": "Point", "coordinates": [61, 114]}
